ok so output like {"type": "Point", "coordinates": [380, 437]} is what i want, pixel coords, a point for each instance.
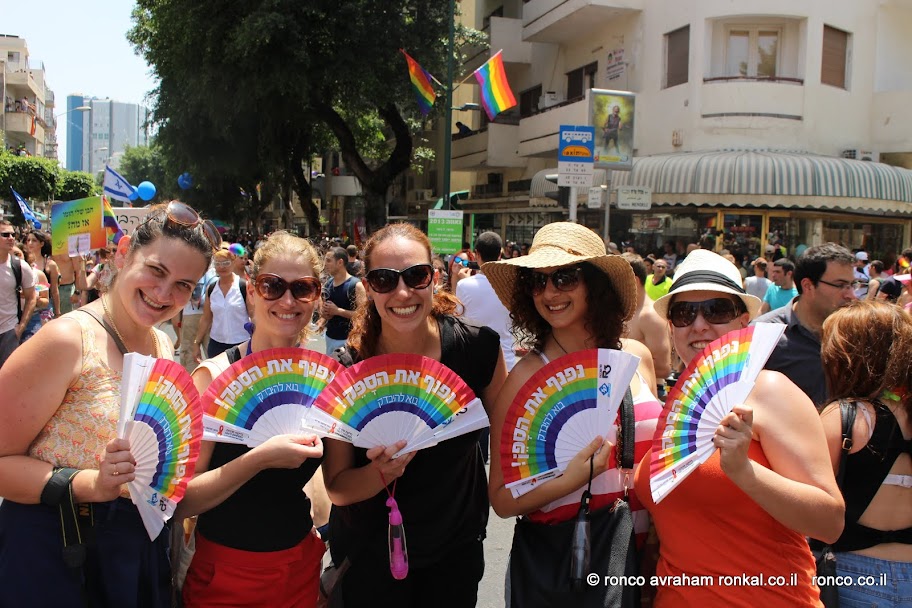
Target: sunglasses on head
{"type": "Point", "coordinates": [184, 215]}
{"type": "Point", "coordinates": [384, 280]}
{"type": "Point", "coordinates": [563, 279]}
{"type": "Point", "coordinates": [717, 311]}
{"type": "Point", "coordinates": [272, 287]}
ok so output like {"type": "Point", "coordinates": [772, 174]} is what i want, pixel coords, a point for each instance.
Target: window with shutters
{"type": "Point", "coordinates": [677, 57]}
{"type": "Point", "coordinates": [834, 63]}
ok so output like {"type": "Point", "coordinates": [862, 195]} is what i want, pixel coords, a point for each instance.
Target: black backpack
{"type": "Point", "coordinates": [16, 267]}
{"type": "Point", "coordinates": [242, 287]}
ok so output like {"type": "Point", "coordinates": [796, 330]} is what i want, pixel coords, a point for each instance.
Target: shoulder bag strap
{"type": "Point", "coordinates": [847, 415]}
{"type": "Point", "coordinates": [234, 355]}
{"type": "Point", "coordinates": [104, 323]}
{"type": "Point", "coordinates": [627, 437]}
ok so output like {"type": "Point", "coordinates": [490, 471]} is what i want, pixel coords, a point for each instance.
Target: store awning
{"type": "Point", "coordinates": [455, 197]}
{"type": "Point", "coordinates": [761, 172]}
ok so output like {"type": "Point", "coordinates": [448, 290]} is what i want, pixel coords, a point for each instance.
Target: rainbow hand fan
{"type": "Point", "coordinates": [387, 398]}
{"type": "Point", "coordinates": [717, 379]}
{"type": "Point", "coordinates": [265, 394]}
{"type": "Point", "coordinates": [559, 411]}
{"type": "Point", "coordinates": [161, 416]}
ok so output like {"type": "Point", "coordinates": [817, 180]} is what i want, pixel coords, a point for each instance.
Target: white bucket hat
{"type": "Point", "coordinates": [704, 270]}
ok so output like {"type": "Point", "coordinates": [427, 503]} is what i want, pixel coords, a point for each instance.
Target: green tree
{"type": "Point", "coordinates": [73, 185]}
{"type": "Point", "coordinates": [148, 163]}
{"type": "Point", "coordinates": [31, 176]}
{"type": "Point", "coordinates": [249, 91]}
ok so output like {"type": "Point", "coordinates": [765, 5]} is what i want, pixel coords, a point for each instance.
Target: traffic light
{"type": "Point", "coordinates": [561, 195]}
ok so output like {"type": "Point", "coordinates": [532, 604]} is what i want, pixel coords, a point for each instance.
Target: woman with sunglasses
{"type": "Point", "coordinates": [565, 296]}
{"type": "Point", "coordinates": [255, 541]}
{"type": "Point", "coordinates": [747, 509]}
{"type": "Point", "coordinates": [440, 490]}
{"type": "Point", "coordinates": [226, 310]}
{"type": "Point", "coordinates": [39, 246]}
{"type": "Point", "coordinates": [58, 418]}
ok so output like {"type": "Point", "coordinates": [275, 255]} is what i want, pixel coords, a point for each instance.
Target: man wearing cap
{"type": "Point", "coordinates": [757, 284]}
{"type": "Point", "coordinates": [783, 288]}
{"type": "Point", "coordinates": [825, 282]}
{"type": "Point", "coordinates": [862, 273]}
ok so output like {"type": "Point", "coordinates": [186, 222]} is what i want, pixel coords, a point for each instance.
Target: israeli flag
{"type": "Point", "coordinates": [27, 212]}
{"type": "Point", "coordinates": [115, 186]}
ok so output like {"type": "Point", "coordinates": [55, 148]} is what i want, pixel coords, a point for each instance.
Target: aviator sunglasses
{"type": "Point", "coordinates": [717, 311]}
{"type": "Point", "coordinates": [563, 279]}
{"type": "Point", "coordinates": [272, 287]}
{"type": "Point", "coordinates": [384, 280]}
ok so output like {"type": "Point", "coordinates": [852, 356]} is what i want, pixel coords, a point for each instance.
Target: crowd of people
{"type": "Point", "coordinates": [818, 452]}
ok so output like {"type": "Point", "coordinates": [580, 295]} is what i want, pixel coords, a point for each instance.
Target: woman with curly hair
{"type": "Point", "coordinates": [866, 348]}
{"type": "Point", "coordinates": [568, 295]}
{"type": "Point", "coordinates": [440, 490]}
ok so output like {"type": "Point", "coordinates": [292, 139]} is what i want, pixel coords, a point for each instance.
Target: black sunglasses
{"type": "Point", "coordinates": [384, 280]}
{"type": "Point", "coordinates": [563, 279]}
{"type": "Point", "coordinates": [7, 235]}
{"type": "Point", "coordinates": [272, 287]}
{"type": "Point", "coordinates": [717, 311]}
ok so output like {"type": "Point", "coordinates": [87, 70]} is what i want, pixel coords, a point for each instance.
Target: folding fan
{"type": "Point", "coordinates": [717, 379]}
{"type": "Point", "coordinates": [265, 394]}
{"type": "Point", "coordinates": [160, 414]}
{"type": "Point", "coordinates": [559, 411]}
{"type": "Point", "coordinates": [387, 398]}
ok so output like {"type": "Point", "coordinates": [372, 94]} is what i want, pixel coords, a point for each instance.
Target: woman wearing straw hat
{"type": "Point", "coordinates": [568, 295]}
{"type": "Point", "coordinates": [747, 509]}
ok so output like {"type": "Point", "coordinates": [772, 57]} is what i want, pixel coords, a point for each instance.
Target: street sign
{"type": "Point", "coordinates": [636, 198]}
{"type": "Point", "coordinates": [445, 230]}
{"type": "Point", "coordinates": [575, 156]}
{"type": "Point", "coordinates": [595, 198]}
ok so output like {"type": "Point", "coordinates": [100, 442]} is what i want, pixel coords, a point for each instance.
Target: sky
{"type": "Point", "coordinates": [84, 49]}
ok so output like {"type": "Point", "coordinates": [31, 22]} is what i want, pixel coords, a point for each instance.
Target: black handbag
{"type": "Point", "coordinates": [541, 556]}
{"type": "Point", "coordinates": [824, 554]}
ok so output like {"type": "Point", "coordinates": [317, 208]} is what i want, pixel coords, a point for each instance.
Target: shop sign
{"type": "Point", "coordinates": [636, 198]}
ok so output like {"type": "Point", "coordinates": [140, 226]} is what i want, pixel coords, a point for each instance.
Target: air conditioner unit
{"type": "Point", "coordinates": [548, 99]}
{"type": "Point", "coordinates": [861, 154]}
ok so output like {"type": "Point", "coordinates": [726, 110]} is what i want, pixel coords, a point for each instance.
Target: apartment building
{"type": "Point", "coordinates": [756, 122]}
{"type": "Point", "coordinates": [29, 124]}
{"type": "Point", "coordinates": [101, 134]}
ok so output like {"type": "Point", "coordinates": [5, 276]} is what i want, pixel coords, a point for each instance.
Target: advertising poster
{"type": "Point", "coordinates": [612, 114]}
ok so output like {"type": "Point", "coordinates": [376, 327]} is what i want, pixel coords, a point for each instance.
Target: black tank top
{"type": "Point", "coordinates": [268, 513]}
{"type": "Point", "coordinates": [443, 495]}
{"type": "Point", "coordinates": [865, 472]}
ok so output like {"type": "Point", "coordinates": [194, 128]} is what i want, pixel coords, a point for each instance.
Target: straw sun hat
{"type": "Point", "coordinates": [565, 244]}
{"type": "Point", "coordinates": [704, 270]}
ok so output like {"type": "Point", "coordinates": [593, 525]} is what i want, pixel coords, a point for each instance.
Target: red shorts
{"type": "Point", "coordinates": [220, 576]}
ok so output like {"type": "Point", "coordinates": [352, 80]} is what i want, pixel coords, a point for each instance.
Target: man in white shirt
{"type": "Point", "coordinates": [480, 304]}
{"type": "Point", "coordinates": [12, 320]}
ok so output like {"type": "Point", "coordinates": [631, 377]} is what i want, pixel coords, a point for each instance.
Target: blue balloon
{"type": "Point", "coordinates": [146, 190]}
{"type": "Point", "coordinates": [134, 194]}
{"type": "Point", "coordinates": [185, 181]}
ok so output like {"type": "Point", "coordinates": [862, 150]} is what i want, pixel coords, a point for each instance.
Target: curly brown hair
{"type": "Point", "coordinates": [366, 323]}
{"type": "Point", "coordinates": [604, 316]}
{"type": "Point", "coordinates": [865, 349]}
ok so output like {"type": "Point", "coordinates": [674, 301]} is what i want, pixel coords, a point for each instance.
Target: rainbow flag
{"type": "Point", "coordinates": [496, 95]}
{"type": "Point", "coordinates": [421, 80]}
{"type": "Point", "coordinates": [110, 221]}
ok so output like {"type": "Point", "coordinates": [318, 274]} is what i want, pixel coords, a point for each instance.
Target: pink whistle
{"type": "Point", "coordinates": [397, 550]}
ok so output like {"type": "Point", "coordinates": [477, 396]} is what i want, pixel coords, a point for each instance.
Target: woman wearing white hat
{"type": "Point", "coordinates": [568, 295]}
{"type": "Point", "coordinates": [747, 509]}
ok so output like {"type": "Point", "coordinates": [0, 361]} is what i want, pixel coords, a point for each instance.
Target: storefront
{"type": "Point", "coordinates": [736, 200]}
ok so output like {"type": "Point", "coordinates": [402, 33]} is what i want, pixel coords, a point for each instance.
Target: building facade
{"type": "Point", "coordinates": [28, 125]}
{"type": "Point", "coordinates": [100, 135]}
{"type": "Point", "coordinates": [756, 122]}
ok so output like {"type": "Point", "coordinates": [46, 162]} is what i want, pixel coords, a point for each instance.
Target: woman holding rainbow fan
{"type": "Point", "coordinates": [255, 540]}
{"type": "Point", "coordinates": [568, 295]}
{"type": "Point", "coordinates": [440, 490]}
{"type": "Point", "coordinates": [58, 444]}
{"type": "Point", "coordinates": [747, 509]}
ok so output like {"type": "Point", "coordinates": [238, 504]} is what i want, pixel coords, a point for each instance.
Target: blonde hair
{"type": "Point", "coordinates": [223, 254]}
